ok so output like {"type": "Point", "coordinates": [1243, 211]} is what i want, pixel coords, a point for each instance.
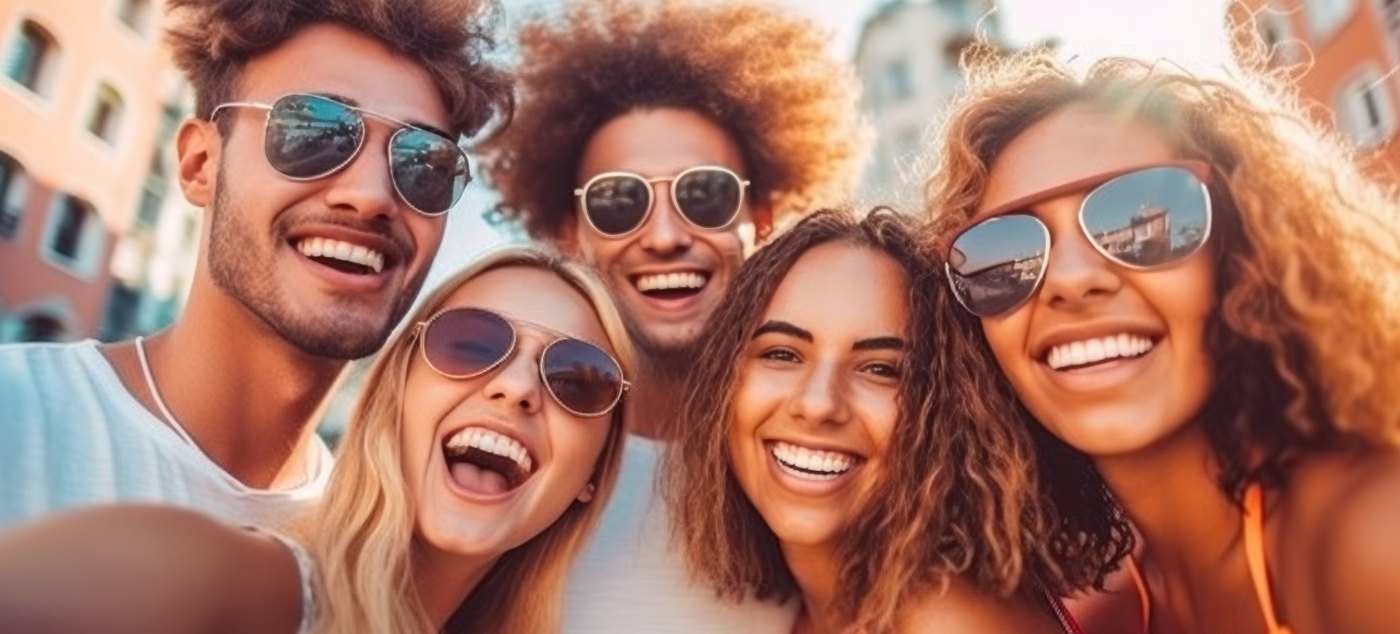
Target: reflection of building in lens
{"type": "Point", "coordinates": [1147, 236]}
{"type": "Point", "coordinates": [1002, 280]}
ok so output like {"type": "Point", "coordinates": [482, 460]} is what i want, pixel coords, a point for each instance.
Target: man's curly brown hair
{"type": "Point", "coordinates": [212, 40]}
{"type": "Point", "coordinates": [1307, 329]}
{"type": "Point", "coordinates": [761, 73]}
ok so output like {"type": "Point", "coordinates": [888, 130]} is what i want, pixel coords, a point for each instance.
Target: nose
{"type": "Point", "coordinates": [665, 231]}
{"type": "Point", "coordinates": [820, 398]}
{"type": "Point", "coordinates": [1076, 274]}
{"type": "Point", "coordinates": [515, 384]}
{"type": "Point", "coordinates": [364, 186]}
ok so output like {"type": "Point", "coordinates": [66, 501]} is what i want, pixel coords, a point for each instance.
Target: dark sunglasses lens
{"type": "Point", "coordinates": [311, 136]}
{"type": "Point", "coordinates": [430, 171]}
{"type": "Point", "coordinates": [1149, 217]}
{"type": "Point", "coordinates": [995, 265]}
{"type": "Point", "coordinates": [708, 197]}
{"type": "Point", "coordinates": [465, 342]}
{"type": "Point", "coordinates": [617, 204]}
{"type": "Point", "coordinates": [581, 376]}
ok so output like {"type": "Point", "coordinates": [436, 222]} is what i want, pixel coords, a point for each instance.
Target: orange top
{"type": "Point", "coordinates": [1254, 555]}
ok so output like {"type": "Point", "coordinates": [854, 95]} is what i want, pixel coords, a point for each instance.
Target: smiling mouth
{"type": "Point", "coordinates": [342, 256]}
{"type": "Point", "coordinates": [486, 462]}
{"type": "Point", "coordinates": [1092, 352]}
{"type": "Point", "coordinates": [812, 464]}
{"type": "Point", "coordinates": [671, 286]}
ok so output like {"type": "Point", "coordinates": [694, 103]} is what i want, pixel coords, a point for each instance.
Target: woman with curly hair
{"type": "Point", "coordinates": [829, 452]}
{"type": "Point", "coordinates": [485, 443]}
{"type": "Point", "coordinates": [1189, 284]}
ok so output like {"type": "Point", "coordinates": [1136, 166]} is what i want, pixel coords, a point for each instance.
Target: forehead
{"type": "Point", "coordinates": [658, 142]}
{"type": "Point", "coordinates": [1073, 143]}
{"type": "Point", "coordinates": [842, 289]}
{"type": "Point", "coordinates": [533, 295]}
{"type": "Point", "coordinates": [334, 60]}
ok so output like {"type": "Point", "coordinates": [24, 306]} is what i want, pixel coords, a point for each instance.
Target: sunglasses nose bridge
{"type": "Point", "coordinates": [1075, 270]}
{"type": "Point", "coordinates": [664, 230]}
{"type": "Point", "coordinates": [516, 381]}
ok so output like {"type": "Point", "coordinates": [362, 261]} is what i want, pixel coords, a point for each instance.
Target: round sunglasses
{"type": "Point", "coordinates": [616, 204]}
{"type": "Point", "coordinates": [1140, 218]}
{"type": "Point", "coordinates": [307, 137]}
{"type": "Point", "coordinates": [463, 343]}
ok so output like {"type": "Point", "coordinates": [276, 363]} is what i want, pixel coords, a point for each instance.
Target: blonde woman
{"type": "Point", "coordinates": [478, 459]}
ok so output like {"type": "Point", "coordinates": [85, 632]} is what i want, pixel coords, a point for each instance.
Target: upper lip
{"type": "Point", "coordinates": [504, 429]}
{"type": "Point", "coordinates": [390, 250]}
{"type": "Point", "coordinates": [1090, 330]}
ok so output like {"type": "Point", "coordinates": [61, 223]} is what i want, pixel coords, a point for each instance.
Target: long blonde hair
{"type": "Point", "coordinates": [361, 534]}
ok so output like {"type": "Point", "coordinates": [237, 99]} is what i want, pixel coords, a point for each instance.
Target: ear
{"type": "Point", "coordinates": [762, 215]}
{"type": "Point", "coordinates": [197, 146]}
{"type": "Point", "coordinates": [586, 495]}
{"type": "Point", "coordinates": [566, 237]}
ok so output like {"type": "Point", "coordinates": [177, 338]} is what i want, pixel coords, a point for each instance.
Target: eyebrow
{"type": "Point", "coordinates": [413, 122]}
{"type": "Point", "coordinates": [785, 328]}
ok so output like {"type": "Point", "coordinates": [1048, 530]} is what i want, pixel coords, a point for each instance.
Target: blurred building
{"type": "Point", "coordinates": [88, 100]}
{"type": "Point", "coordinates": [907, 58]}
{"type": "Point", "coordinates": [1348, 55]}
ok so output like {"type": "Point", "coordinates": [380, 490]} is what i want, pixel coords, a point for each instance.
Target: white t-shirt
{"type": "Point", "coordinates": [630, 579]}
{"type": "Point", "coordinates": [72, 435]}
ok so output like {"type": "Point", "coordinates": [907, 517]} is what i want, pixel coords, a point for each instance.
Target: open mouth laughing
{"type": "Point", "coordinates": [1091, 352]}
{"type": "Point", "coordinates": [342, 256]}
{"type": "Point", "coordinates": [671, 286]}
{"type": "Point", "coordinates": [487, 462]}
{"type": "Point", "coordinates": [806, 463]}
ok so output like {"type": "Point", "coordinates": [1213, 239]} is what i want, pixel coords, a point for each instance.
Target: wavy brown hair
{"type": "Point", "coordinates": [1307, 247]}
{"type": "Point", "coordinates": [956, 498]}
{"type": "Point", "coordinates": [212, 41]}
{"type": "Point", "coordinates": [762, 73]}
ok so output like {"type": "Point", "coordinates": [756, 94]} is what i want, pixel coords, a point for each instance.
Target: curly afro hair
{"type": "Point", "coordinates": [762, 73]}
{"type": "Point", "coordinates": [212, 40]}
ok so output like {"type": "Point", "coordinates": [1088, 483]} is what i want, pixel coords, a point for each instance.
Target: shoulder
{"type": "Point", "coordinates": [114, 568]}
{"type": "Point", "coordinates": [961, 608]}
{"type": "Point", "coordinates": [1358, 557]}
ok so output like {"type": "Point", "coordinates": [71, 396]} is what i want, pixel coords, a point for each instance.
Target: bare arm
{"type": "Point", "coordinates": [143, 569]}
{"type": "Point", "coordinates": [1360, 561]}
{"type": "Point", "coordinates": [964, 610]}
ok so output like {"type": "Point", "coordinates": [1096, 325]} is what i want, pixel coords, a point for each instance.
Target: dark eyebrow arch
{"type": "Point", "coordinates": [782, 327]}
{"type": "Point", "coordinates": [879, 343]}
{"type": "Point", "coordinates": [414, 122]}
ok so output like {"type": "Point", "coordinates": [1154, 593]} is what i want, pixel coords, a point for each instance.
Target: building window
{"type": "Point", "coordinates": [1326, 16]}
{"type": "Point", "coordinates": [33, 58]}
{"type": "Point", "coordinates": [1364, 108]}
{"type": "Point", "coordinates": [1391, 11]}
{"type": "Point", "coordinates": [1277, 34]}
{"type": "Point", "coordinates": [136, 14]}
{"type": "Point", "coordinates": [105, 120]}
{"type": "Point", "coordinates": [41, 328]}
{"type": "Point", "coordinates": [74, 239]}
{"type": "Point", "coordinates": [899, 85]}
{"type": "Point", "coordinates": [14, 193]}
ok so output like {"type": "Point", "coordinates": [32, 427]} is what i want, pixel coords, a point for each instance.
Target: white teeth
{"type": "Point", "coordinates": [345, 251]}
{"type": "Point", "coordinates": [1089, 351]}
{"type": "Point", "coordinates": [492, 443]}
{"type": "Point", "coordinates": [803, 462]}
{"type": "Point", "coordinates": [666, 281]}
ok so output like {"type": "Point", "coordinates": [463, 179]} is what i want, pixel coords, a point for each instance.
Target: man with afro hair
{"type": "Point", "coordinates": [659, 141]}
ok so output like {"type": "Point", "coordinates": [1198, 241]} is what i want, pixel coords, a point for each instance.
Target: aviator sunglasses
{"type": "Point", "coordinates": [307, 137]}
{"type": "Point", "coordinates": [616, 204]}
{"type": "Point", "coordinates": [463, 343]}
{"type": "Point", "coordinates": [1140, 218]}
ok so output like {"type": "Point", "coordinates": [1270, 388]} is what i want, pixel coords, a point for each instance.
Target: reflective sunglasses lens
{"type": "Point", "coordinates": [465, 342]}
{"type": "Point", "coordinates": [429, 170]}
{"type": "Point", "coordinates": [581, 376]}
{"type": "Point", "coordinates": [617, 204]}
{"type": "Point", "coordinates": [311, 136]}
{"type": "Point", "coordinates": [996, 265]}
{"type": "Point", "coordinates": [708, 197]}
{"type": "Point", "coordinates": [1149, 217]}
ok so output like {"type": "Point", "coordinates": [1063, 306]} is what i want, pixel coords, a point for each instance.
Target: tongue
{"type": "Point", "coordinates": [478, 480]}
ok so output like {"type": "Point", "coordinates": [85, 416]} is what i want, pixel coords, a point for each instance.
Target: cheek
{"type": "Point", "coordinates": [879, 409]}
{"type": "Point", "coordinates": [581, 442]}
{"type": "Point", "coordinates": [1006, 336]}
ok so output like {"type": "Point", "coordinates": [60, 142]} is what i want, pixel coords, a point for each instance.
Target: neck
{"type": "Point", "coordinates": [246, 396]}
{"type": "Point", "coordinates": [1190, 529]}
{"type": "Point", "coordinates": [653, 403]}
{"type": "Point", "coordinates": [445, 580]}
{"type": "Point", "coordinates": [814, 568]}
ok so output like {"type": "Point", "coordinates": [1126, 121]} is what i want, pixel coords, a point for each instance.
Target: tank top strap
{"type": "Point", "coordinates": [1144, 598]}
{"type": "Point", "coordinates": [1254, 554]}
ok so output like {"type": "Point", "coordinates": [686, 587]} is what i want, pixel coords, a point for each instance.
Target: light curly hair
{"type": "Point", "coordinates": [761, 73]}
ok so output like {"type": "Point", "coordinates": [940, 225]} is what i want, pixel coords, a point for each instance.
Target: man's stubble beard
{"type": "Point", "coordinates": [251, 281]}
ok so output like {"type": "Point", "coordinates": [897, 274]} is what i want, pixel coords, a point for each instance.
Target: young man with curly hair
{"type": "Point", "coordinates": [659, 141]}
{"type": "Point", "coordinates": [324, 150]}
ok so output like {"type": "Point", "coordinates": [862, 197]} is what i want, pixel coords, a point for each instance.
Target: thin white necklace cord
{"type": "Point", "coordinates": [155, 394]}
